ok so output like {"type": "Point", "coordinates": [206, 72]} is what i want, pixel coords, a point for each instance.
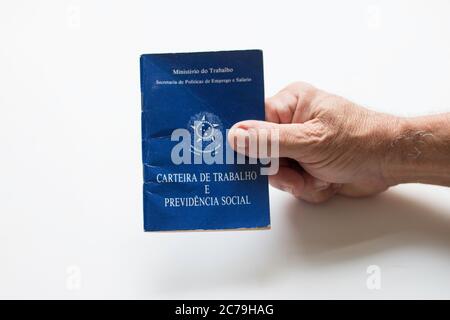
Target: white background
{"type": "Point", "coordinates": [70, 157]}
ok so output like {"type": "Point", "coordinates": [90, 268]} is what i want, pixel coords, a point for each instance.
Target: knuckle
{"type": "Point", "coordinates": [290, 137]}
{"type": "Point", "coordinates": [299, 86]}
{"type": "Point", "coordinates": [318, 198]}
{"type": "Point", "coordinates": [273, 103]}
{"type": "Point", "coordinates": [318, 134]}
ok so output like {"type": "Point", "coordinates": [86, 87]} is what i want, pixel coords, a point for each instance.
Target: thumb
{"type": "Point", "coordinates": [250, 137]}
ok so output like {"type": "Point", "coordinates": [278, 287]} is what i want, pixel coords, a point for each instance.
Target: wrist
{"type": "Point", "coordinates": [418, 150]}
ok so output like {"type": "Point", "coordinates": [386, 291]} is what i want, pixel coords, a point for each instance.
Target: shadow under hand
{"type": "Point", "coordinates": [346, 228]}
{"type": "Point", "coordinates": [302, 235]}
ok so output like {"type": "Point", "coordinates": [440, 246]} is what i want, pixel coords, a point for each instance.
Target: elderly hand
{"type": "Point", "coordinates": [329, 145]}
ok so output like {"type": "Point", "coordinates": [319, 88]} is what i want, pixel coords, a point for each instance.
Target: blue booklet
{"type": "Point", "coordinates": [192, 178]}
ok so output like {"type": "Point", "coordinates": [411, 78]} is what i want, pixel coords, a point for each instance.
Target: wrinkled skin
{"type": "Point", "coordinates": [327, 144]}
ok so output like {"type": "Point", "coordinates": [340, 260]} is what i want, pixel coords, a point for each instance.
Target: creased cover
{"type": "Point", "coordinates": [205, 94]}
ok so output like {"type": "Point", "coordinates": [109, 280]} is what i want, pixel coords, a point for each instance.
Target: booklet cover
{"type": "Point", "coordinates": [193, 180]}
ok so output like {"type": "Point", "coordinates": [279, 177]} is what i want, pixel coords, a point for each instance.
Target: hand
{"type": "Point", "coordinates": [327, 144]}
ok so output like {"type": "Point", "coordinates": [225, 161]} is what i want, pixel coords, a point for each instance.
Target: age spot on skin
{"type": "Point", "coordinates": [412, 141]}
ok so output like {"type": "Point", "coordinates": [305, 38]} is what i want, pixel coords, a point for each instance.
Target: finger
{"type": "Point", "coordinates": [317, 190]}
{"type": "Point", "coordinates": [260, 139]}
{"type": "Point", "coordinates": [281, 107]}
{"type": "Point", "coordinates": [287, 179]}
{"type": "Point", "coordinates": [291, 104]}
{"type": "Point", "coordinates": [302, 185]}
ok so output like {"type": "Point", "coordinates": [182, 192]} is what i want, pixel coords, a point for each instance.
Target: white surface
{"type": "Point", "coordinates": [71, 174]}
